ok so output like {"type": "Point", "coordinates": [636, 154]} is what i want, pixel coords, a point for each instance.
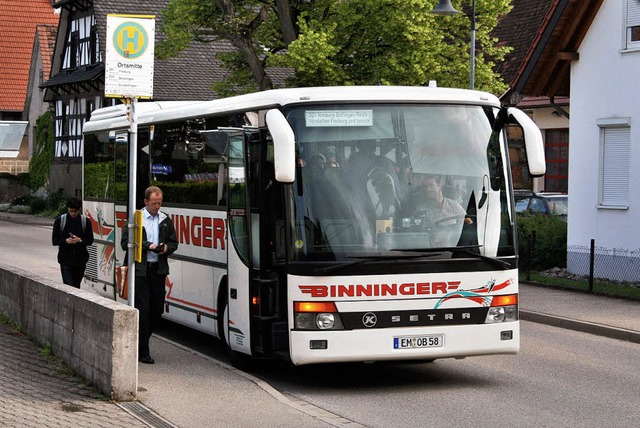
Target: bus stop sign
{"type": "Point", "coordinates": [129, 56]}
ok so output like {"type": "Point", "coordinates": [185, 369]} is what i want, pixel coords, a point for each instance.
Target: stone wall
{"type": "Point", "coordinates": [14, 166]}
{"type": "Point", "coordinates": [10, 187]}
{"type": "Point", "coordinates": [66, 177]}
{"type": "Point", "coordinates": [95, 336]}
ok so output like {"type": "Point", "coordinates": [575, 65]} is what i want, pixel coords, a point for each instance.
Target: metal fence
{"type": "Point", "coordinates": [616, 264]}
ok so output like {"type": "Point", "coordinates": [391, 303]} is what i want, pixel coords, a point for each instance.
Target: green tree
{"type": "Point", "coordinates": [41, 161]}
{"type": "Point", "coordinates": [249, 25]}
{"type": "Point", "coordinates": [342, 42]}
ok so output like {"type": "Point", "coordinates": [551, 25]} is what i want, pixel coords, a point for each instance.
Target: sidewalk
{"type": "Point", "coordinates": [26, 219]}
{"type": "Point", "coordinates": [581, 311]}
{"type": "Point", "coordinates": [187, 389]}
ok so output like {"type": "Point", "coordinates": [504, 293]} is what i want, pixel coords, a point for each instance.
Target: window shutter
{"type": "Point", "coordinates": [615, 167]}
{"type": "Point", "coordinates": [633, 13]}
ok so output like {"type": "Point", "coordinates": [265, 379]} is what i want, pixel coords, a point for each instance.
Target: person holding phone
{"type": "Point", "coordinates": [72, 234]}
{"type": "Point", "coordinates": [158, 242]}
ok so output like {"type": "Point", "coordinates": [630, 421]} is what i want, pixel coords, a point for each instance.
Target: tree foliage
{"type": "Point", "coordinates": [41, 161]}
{"type": "Point", "coordinates": [341, 42]}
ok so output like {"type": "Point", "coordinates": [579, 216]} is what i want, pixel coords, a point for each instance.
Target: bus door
{"type": "Point", "coordinates": [253, 324]}
{"type": "Point", "coordinates": [236, 326]}
{"type": "Point", "coordinates": [267, 276]}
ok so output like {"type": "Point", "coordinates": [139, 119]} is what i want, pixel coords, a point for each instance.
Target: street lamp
{"type": "Point", "coordinates": [444, 8]}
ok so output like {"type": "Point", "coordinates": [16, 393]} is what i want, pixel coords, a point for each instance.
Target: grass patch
{"type": "Point", "coordinates": [11, 323]}
{"type": "Point", "coordinates": [601, 287]}
{"type": "Point", "coordinates": [46, 351]}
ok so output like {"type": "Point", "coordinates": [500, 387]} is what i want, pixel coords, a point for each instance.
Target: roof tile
{"type": "Point", "coordinates": [18, 20]}
{"type": "Point", "coordinates": [518, 29]}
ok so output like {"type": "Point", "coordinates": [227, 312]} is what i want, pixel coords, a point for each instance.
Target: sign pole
{"type": "Point", "coordinates": [130, 45]}
{"type": "Point", "coordinates": [133, 162]}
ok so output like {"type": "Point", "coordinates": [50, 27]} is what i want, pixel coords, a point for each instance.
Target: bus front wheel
{"type": "Point", "coordinates": [238, 360]}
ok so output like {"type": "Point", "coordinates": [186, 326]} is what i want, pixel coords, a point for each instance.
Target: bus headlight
{"type": "Point", "coordinates": [503, 308]}
{"type": "Point", "coordinates": [325, 321]}
{"type": "Point", "coordinates": [304, 322]}
{"type": "Point", "coordinates": [495, 315]}
{"type": "Point", "coordinates": [502, 314]}
{"type": "Point", "coordinates": [316, 316]}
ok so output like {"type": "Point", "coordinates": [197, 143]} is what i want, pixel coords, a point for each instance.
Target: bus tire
{"type": "Point", "coordinates": [238, 359]}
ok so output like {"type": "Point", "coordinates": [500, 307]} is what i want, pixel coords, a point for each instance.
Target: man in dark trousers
{"type": "Point", "coordinates": [72, 233]}
{"type": "Point", "coordinates": [158, 242]}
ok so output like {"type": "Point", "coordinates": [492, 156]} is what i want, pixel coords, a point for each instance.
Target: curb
{"type": "Point", "coordinates": [579, 290]}
{"type": "Point", "coordinates": [582, 326]}
{"type": "Point", "coordinates": [26, 219]}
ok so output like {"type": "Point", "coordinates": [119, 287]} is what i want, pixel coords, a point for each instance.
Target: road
{"type": "Point", "coordinates": [561, 378]}
{"type": "Point", "coordinates": [29, 247]}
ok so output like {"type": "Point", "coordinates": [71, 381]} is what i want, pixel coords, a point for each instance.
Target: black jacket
{"type": "Point", "coordinates": [72, 254]}
{"type": "Point", "coordinates": [167, 235]}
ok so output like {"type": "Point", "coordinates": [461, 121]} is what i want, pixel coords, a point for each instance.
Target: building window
{"type": "Point", "coordinates": [557, 154]}
{"type": "Point", "coordinates": [93, 45]}
{"type": "Point", "coordinates": [633, 24]}
{"type": "Point", "coordinates": [74, 46]}
{"type": "Point", "coordinates": [615, 150]}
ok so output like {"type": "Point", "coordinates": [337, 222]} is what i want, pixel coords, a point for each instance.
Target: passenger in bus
{"type": "Point", "coordinates": [158, 242]}
{"type": "Point", "coordinates": [374, 176]}
{"type": "Point", "coordinates": [317, 163]}
{"type": "Point", "coordinates": [329, 154]}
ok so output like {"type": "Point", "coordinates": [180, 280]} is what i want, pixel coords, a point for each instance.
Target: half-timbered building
{"type": "Point", "coordinates": [76, 86]}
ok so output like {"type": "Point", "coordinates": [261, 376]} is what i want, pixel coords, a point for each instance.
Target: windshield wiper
{"type": "Point", "coordinates": [371, 259]}
{"type": "Point", "coordinates": [467, 249]}
{"type": "Point", "coordinates": [491, 260]}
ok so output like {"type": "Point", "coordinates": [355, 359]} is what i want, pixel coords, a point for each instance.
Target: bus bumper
{"type": "Point", "coordinates": [382, 344]}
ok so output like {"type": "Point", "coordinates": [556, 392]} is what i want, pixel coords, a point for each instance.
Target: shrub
{"type": "Point", "coordinates": [550, 245]}
{"type": "Point", "coordinates": [41, 161]}
{"type": "Point", "coordinates": [20, 209]}
{"type": "Point", "coordinates": [53, 206]}
{"type": "Point", "coordinates": [21, 200]}
{"type": "Point", "coordinates": [38, 205]}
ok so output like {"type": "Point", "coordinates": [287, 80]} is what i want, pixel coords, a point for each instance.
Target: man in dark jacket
{"type": "Point", "coordinates": [158, 242]}
{"type": "Point", "coordinates": [72, 233]}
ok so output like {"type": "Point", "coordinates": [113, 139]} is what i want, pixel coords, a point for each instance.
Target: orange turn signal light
{"type": "Point", "coordinates": [508, 300]}
{"type": "Point", "coordinates": [314, 307]}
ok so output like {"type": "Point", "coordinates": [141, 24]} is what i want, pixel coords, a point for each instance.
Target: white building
{"type": "Point", "coordinates": [604, 166]}
{"type": "Point", "coordinates": [590, 50]}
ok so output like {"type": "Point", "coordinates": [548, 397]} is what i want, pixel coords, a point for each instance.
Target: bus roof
{"type": "Point", "coordinates": [110, 118]}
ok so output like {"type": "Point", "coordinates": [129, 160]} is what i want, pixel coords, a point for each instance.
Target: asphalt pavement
{"type": "Point", "coordinates": [185, 388]}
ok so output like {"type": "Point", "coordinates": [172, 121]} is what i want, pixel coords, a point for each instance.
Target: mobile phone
{"type": "Point", "coordinates": [159, 248]}
{"type": "Point", "coordinates": [71, 235]}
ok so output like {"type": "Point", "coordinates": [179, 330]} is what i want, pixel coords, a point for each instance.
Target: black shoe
{"type": "Point", "coordinates": [146, 359]}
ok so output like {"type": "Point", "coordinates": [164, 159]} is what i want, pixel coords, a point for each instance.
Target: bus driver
{"type": "Point", "coordinates": [445, 216]}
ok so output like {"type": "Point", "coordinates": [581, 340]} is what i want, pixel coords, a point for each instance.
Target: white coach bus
{"type": "Point", "coordinates": [325, 224]}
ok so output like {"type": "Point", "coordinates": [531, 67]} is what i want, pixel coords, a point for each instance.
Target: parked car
{"type": "Point", "coordinates": [551, 204]}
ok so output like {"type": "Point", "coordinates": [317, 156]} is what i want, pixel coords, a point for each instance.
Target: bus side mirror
{"type": "Point", "coordinates": [284, 150]}
{"type": "Point", "coordinates": [532, 142]}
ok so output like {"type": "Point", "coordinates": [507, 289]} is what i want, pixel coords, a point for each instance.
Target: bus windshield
{"type": "Point", "coordinates": [374, 179]}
